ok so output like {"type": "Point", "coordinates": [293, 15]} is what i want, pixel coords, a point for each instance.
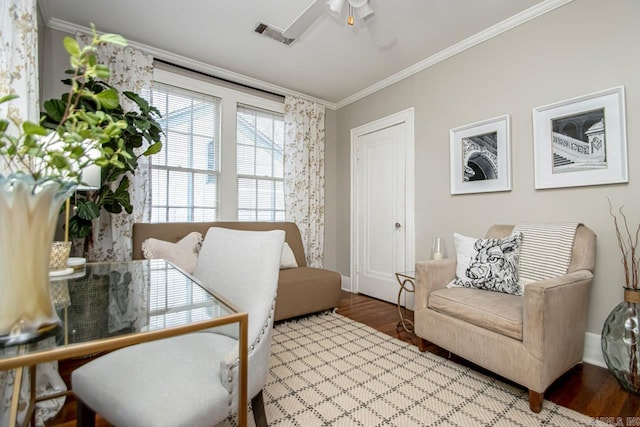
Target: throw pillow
{"type": "Point", "coordinates": [490, 264]}
{"type": "Point", "coordinates": [288, 259]}
{"type": "Point", "coordinates": [183, 253]}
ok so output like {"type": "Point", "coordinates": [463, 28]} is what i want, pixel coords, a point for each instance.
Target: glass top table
{"type": "Point", "coordinates": [106, 306]}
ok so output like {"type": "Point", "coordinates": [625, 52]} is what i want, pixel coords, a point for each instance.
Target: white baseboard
{"type": "Point", "coordinates": [346, 284]}
{"type": "Point", "coordinates": [593, 350]}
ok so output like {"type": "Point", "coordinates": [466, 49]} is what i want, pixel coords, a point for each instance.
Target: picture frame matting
{"type": "Point", "coordinates": [480, 156]}
{"type": "Point", "coordinates": [581, 141]}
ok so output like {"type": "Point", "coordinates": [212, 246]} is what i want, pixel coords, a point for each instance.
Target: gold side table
{"type": "Point", "coordinates": [406, 280]}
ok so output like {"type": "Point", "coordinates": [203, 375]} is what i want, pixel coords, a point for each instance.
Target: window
{"type": "Point", "coordinates": [260, 143]}
{"type": "Point", "coordinates": [222, 154]}
{"type": "Point", "coordinates": [184, 175]}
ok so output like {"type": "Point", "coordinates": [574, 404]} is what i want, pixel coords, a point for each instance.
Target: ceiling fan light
{"type": "Point", "coordinates": [335, 6]}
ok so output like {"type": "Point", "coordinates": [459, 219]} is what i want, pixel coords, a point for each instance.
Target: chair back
{"type": "Point", "coordinates": [243, 267]}
{"type": "Point", "coordinates": [583, 254]}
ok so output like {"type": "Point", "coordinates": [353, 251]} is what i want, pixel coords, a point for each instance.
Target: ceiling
{"type": "Point", "coordinates": [330, 62]}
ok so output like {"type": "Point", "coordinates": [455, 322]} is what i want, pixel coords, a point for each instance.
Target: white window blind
{"type": "Point", "coordinates": [185, 174]}
{"type": "Point", "coordinates": [260, 143]}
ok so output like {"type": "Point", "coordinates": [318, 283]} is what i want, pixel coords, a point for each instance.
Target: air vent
{"type": "Point", "coordinates": [273, 33]}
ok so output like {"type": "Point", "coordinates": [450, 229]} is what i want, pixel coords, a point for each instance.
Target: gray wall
{"type": "Point", "coordinates": [54, 61]}
{"type": "Point", "coordinates": [580, 48]}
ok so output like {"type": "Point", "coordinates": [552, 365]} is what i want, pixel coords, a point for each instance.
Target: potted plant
{"type": "Point", "coordinates": [620, 337]}
{"type": "Point", "coordinates": [44, 165]}
{"type": "Point", "coordinates": [113, 194]}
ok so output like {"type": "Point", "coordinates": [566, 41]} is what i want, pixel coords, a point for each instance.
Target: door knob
{"type": "Point", "coordinates": [398, 226]}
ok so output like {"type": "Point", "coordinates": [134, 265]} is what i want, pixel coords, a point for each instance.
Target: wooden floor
{"type": "Point", "coordinates": [588, 389]}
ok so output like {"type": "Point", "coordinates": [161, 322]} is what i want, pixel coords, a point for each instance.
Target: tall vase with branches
{"type": "Point", "coordinates": [620, 334]}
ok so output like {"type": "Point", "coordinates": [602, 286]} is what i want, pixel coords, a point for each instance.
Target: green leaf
{"type": "Point", "coordinates": [8, 98]}
{"type": "Point", "coordinates": [102, 72]}
{"type": "Point", "coordinates": [102, 163]}
{"type": "Point", "coordinates": [79, 227]}
{"type": "Point", "coordinates": [140, 102]}
{"type": "Point", "coordinates": [135, 141]}
{"type": "Point", "coordinates": [86, 209]}
{"type": "Point", "coordinates": [31, 128]}
{"type": "Point", "coordinates": [153, 149]}
{"type": "Point", "coordinates": [108, 98]}
{"type": "Point", "coordinates": [113, 39]}
{"type": "Point", "coordinates": [72, 46]}
{"type": "Point", "coordinates": [59, 161]}
{"type": "Point", "coordinates": [55, 109]}
{"type": "Point", "coordinates": [122, 195]}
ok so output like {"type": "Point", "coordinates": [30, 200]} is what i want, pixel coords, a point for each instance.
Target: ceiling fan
{"type": "Point", "coordinates": [351, 12]}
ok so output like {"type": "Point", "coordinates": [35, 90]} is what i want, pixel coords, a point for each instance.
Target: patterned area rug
{"type": "Point", "coordinates": [328, 370]}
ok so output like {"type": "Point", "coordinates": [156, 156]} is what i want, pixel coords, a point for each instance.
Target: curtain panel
{"type": "Point", "coordinates": [19, 61]}
{"type": "Point", "coordinates": [304, 173]}
{"type": "Point", "coordinates": [131, 70]}
{"type": "Point", "coordinates": [19, 76]}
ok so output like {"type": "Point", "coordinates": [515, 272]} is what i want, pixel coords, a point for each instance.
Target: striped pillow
{"type": "Point", "coordinates": [545, 251]}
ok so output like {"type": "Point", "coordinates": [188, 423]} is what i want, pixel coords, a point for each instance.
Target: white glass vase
{"type": "Point", "coordinates": [28, 215]}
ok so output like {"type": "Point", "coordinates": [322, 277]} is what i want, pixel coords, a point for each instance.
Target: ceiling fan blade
{"type": "Point", "coordinates": [304, 21]}
{"type": "Point", "coordinates": [383, 35]}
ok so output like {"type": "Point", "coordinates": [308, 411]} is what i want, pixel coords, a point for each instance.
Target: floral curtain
{"type": "Point", "coordinates": [19, 60]}
{"type": "Point", "coordinates": [19, 76]}
{"type": "Point", "coordinates": [304, 173]}
{"type": "Point", "coordinates": [131, 70]}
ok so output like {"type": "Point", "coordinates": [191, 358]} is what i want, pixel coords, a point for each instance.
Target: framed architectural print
{"type": "Point", "coordinates": [481, 157]}
{"type": "Point", "coordinates": [581, 141]}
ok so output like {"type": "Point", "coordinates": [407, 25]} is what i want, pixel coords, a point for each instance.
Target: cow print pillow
{"type": "Point", "coordinates": [490, 264]}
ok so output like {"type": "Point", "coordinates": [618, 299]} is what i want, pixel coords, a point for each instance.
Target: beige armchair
{"type": "Point", "coordinates": [530, 339]}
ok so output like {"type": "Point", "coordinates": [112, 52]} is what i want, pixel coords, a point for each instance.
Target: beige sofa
{"type": "Point", "coordinates": [530, 339]}
{"type": "Point", "coordinates": [301, 290]}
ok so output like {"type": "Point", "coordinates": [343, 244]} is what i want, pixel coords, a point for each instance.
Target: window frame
{"type": "Point", "coordinates": [274, 214]}
{"type": "Point", "coordinates": [230, 100]}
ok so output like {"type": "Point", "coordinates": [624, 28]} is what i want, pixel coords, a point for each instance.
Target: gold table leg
{"type": "Point", "coordinates": [406, 285]}
{"type": "Point", "coordinates": [15, 399]}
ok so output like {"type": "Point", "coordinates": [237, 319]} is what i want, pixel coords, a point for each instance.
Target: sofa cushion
{"type": "Point", "coordinates": [490, 264]}
{"type": "Point", "coordinates": [288, 259]}
{"type": "Point", "coordinates": [183, 253]}
{"type": "Point", "coordinates": [495, 311]}
{"type": "Point", "coordinates": [305, 290]}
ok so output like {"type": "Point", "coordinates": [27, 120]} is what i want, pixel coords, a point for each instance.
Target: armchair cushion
{"type": "Point", "coordinates": [495, 311]}
{"type": "Point", "coordinates": [490, 264]}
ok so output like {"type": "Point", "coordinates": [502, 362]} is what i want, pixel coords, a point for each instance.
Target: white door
{"type": "Point", "coordinates": [380, 211]}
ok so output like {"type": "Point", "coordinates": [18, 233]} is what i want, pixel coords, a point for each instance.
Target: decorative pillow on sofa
{"type": "Point", "coordinates": [183, 253]}
{"type": "Point", "coordinates": [490, 264]}
{"type": "Point", "coordinates": [288, 259]}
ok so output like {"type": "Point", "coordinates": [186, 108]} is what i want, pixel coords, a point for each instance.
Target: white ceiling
{"type": "Point", "coordinates": [330, 62]}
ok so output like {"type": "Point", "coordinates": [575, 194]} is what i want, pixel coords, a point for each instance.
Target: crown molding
{"type": "Point", "coordinates": [499, 28]}
{"type": "Point", "coordinates": [58, 24]}
{"type": "Point", "coordinates": [514, 21]}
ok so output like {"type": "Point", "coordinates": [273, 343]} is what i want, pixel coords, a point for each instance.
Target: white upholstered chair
{"type": "Point", "coordinates": [192, 380]}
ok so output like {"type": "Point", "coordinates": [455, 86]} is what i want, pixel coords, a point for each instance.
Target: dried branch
{"type": "Point", "coordinates": [628, 244]}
